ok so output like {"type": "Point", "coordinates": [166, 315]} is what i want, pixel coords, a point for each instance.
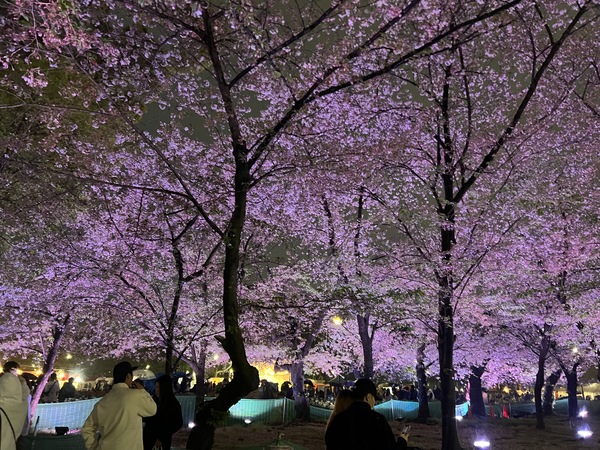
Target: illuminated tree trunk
{"type": "Point", "coordinates": [58, 333]}
{"type": "Point", "coordinates": [301, 402]}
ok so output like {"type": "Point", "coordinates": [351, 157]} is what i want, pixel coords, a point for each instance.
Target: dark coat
{"type": "Point", "coordinates": [167, 421]}
{"type": "Point", "coordinates": [360, 428]}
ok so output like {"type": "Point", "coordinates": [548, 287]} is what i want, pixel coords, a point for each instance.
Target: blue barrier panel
{"type": "Point", "coordinates": [67, 414]}
{"type": "Point", "coordinates": [393, 409]}
{"type": "Point", "coordinates": [461, 410]}
{"type": "Point", "coordinates": [265, 411]}
{"type": "Point", "coordinates": [318, 414]}
{"type": "Point", "coordinates": [73, 414]}
{"type": "Point", "coordinates": [188, 408]}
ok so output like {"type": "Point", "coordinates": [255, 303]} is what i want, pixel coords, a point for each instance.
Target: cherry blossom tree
{"type": "Point", "coordinates": [237, 82]}
{"type": "Point", "coordinates": [459, 142]}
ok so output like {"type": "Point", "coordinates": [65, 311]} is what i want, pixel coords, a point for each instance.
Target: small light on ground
{"type": "Point", "coordinates": [584, 433]}
{"type": "Point", "coordinates": [459, 418]}
{"type": "Point", "coordinates": [482, 443]}
{"type": "Point", "coordinates": [583, 413]}
{"type": "Point", "coordinates": [247, 421]}
{"type": "Point", "coordinates": [191, 425]}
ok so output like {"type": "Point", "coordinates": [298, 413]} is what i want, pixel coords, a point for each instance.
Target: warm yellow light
{"type": "Point", "coordinates": [147, 366]}
{"type": "Point", "coordinates": [337, 320]}
{"type": "Point", "coordinates": [69, 356]}
{"type": "Point", "coordinates": [575, 349]}
{"type": "Point", "coordinates": [215, 356]}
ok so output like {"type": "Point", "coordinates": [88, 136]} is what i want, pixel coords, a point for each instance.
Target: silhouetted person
{"type": "Point", "coordinates": [67, 390]}
{"type": "Point", "coordinates": [159, 428]}
{"type": "Point", "coordinates": [359, 427]}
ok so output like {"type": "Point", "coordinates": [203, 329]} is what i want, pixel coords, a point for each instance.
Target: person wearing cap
{"type": "Point", "coordinates": [359, 427]}
{"type": "Point", "coordinates": [115, 423]}
{"type": "Point", "coordinates": [14, 401]}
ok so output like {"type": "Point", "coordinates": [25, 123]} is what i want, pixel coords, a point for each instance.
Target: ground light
{"type": "Point", "coordinates": [584, 432]}
{"type": "Point", "coordinates": [482, 443]}
{"type": "Point", "coordinates": [191, 425]}
{"type": "Point", "coordinates": [583, 413]}
{"type": "Point", "coordinates": [459, 418]}
{"type": "Point", "coordinates": [247, 422]}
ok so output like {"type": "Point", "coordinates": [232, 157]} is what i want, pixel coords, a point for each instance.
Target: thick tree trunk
{"type": "Point", "coordinates": [422, 384]}
{"type": "Point", "coordinates": [245, 377]}
{"type": "Point", "coordinates": [548, 401]}
{"type": "Point", "coordinates": [446, 295]}
{"type": "Point", "coordinates": [571, 376]}
{"type": "Point", "coordinates": [475, 392]}
{"type": "Point", "coordinates": [367, 345]}
{"type": "Point", "coordinates": [301, 402]}
{"type": "Point", "coordinates": [448, 404]}
{"type": "Point", "coordinates": [539, 382]}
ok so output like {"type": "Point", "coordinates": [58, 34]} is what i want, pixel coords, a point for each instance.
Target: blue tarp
{"type": "Point", "coordinates": [73, 414]}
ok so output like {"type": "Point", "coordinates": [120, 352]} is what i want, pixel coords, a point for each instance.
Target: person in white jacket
{"type": "Point", "coordinates": [115, 423]}
{"type": "Point", "coordinates": [14, 398]}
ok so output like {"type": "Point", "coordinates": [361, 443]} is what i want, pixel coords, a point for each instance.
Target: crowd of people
{"type": "Point", "coordinates": [116, 421]}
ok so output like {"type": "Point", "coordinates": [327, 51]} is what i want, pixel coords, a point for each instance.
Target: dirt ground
{"type": "Point", "coordinates": [503, 434]}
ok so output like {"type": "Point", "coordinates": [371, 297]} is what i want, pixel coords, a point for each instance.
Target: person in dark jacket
{"type": "Point", "coordinates": [159, 429]}
{"type": "Point", "coordinates": [359, 427]}
{"type": "Point", "coordinates": [67, 391]}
